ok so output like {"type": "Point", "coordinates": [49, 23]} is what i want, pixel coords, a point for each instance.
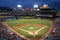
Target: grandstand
{"type": "Point", "coordinates": [55, 33]}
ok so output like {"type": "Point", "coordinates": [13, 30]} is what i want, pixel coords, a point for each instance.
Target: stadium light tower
{"type": "Point", "coordinates": [38, 9]}
{"type": "Point", "coordinates": [19, 6]}
{"type": "Point", "coordinates": [35, 6]}
{"type": "Point", "coordinates": [45, 5]}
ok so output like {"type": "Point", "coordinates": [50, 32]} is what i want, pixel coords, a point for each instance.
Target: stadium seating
{"type": "Point", "coordinates": [55, 34]}
{"type": "Point", "coordinates": [6, 34]}
{"type": "Point", "coordinates": [58, 13]}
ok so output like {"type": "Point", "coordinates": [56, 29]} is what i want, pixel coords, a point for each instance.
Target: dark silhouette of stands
{"type": "Point", "coordinates": [55, 33]}
{"type": "Point", "coordinates": [58, 13]}
{"type": "Point", "coordinates": [47, 12]}
{"type": "Point", "coordinates": [42, 13]}
{"type": "Point", "coordinates": [4, 11]}
{"type": "Point", "coordinates": [7, 34]}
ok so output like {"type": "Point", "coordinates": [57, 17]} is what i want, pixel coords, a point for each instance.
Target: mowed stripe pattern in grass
{"type": "Point", "coordinates": [27, 21]}
{"type": "Point", "coordinates": [14, 23]}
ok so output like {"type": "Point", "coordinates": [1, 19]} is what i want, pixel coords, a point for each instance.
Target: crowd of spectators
{"type": "Point", "coordinates": [7, 34]}
{"type": "Point", "coordinates": [55, 33]}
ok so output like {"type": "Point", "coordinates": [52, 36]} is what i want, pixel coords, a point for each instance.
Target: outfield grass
{"type": "Point", "coordinates": [28, 21]}
{"type": "Point", "coordinates": [27, 17]}
{"type": "Point", "coordinates": [14, 23]}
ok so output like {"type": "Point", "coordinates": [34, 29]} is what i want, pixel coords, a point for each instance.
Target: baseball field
{"type": "Point", "coordinates": [30, 28]}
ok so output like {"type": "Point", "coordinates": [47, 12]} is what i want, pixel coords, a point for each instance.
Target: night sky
{"type": "Point", "coordinates": [29, 3]}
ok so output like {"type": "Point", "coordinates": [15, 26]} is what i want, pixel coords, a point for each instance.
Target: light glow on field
{"type": "Point", "coordinates": [31, 27]}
